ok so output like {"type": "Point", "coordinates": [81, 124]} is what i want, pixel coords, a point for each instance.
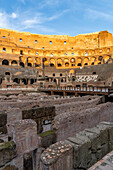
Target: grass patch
{"type": "Point", "coordinates": [47, 133]}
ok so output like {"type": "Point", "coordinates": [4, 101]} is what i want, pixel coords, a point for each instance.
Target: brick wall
{"type": "Point", "coordinates": [80, 151]}
{"type": "Point", "coordinates": [77, 106]}
{"type": "Point", "coordinates": [70, 123]}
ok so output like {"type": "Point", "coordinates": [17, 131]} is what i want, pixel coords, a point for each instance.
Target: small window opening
{"type": "Point", "coordinates": [94, 72]}
{"type": "Point", "coordinates": [37, 53]}
{"type": "Point", "coordinates": [79, 64]}
{"type": "Point", "coordinates": [4, 49]}
{"type": "Point", "coordinates": [51, 54]}
{"type": "Point", "coordinates": [66, 53]}
{"type": "Point", "coordinates": [21, 52]}
{"type": "Point", "coordinates": [59, 65]}
{"type": "Point", "coordinates": [77, 85]}
{"type": "Point", "coordinates": [84, 85]}
{"type": "Point", "coordinates": [3, 37]}
{"type": "Point", "coordinates": [50, 42]}
{"type": "Point", "coordinates": [20, 39]}
{"type": "Point", "coordinates": [7, 73]}
{"type": "Point", "coordinates": [64, 42]}
{"type": "Point", "coordinates": [60, 74]}
{"type": "Point", "coordinates": [72, 53]}
{"type": "Point", "coordinates": [53, 74]}
{"type": "Point", "coordinates": [86, 54]}
{"type": "Point", "coordinates": [43, 48]}
{"type": "Point", "coordinates": [35, 41]}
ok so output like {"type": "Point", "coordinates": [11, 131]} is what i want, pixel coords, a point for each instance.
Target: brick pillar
{"type": "Point", "coordinates": [24, 134]}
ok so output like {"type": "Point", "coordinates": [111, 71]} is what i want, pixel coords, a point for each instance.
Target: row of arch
{"type": "Point", "coordinates": [60, 62]}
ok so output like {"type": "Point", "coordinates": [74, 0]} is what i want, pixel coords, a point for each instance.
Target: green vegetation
{"type": "Point", "coordinates": [7, 145]}
{"type": "Point", "coordinates": [47, 133]}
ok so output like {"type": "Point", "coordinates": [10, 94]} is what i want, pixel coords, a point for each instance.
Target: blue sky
{"type": "Point", "coordinates": [59, 17]}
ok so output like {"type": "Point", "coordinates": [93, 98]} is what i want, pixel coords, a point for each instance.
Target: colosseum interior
{"type": "Point", "coordinates": [56, 110]}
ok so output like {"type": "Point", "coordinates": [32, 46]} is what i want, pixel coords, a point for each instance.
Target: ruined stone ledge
{"type": "Point", "coordinates": [51, 154]}
{"type": "Point", "coordinates": [80, 151]}
{"type": "Point", "coordinates": [7, 152]}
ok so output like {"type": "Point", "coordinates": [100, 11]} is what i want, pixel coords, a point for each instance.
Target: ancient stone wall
{"type": "Point", "coordinates": [7, 153]}
{"type": "Point", "coordinates": [69, 123]}
{"type": "Point", "coordinates": [65, 99]}
{"type": "Point", "coordinates": [57, 156]}
{"type": "Point", "coordinates": [77, 106]}
{"type": "Point", "coordinates": [24, 134]}
{"type": "Point", "coordinates": [3, 122]}
{"type": "Point", "coordinates": [80, 151]}
{"type": "Point", "coordinates": [40, 115]}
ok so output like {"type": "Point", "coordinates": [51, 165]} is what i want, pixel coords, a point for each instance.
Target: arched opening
{"type": "Point", "coordinates": [94, 72]}
{"type": "Point", "coordinates": [99, 63]}
{"type": "Point", "coordinates": [59, 62]}
{"type": "Point", "coordinates": [86, 53]}
{"type": "Point", "coordinates": [59, 65]}
{"type": "Point", "coordinates": [14, 62]}
{"type": "Point", "coordinates": [66, 61]}
{"type": "Point", "coordinates": [106, 59]}
{"type": "Point", "coordinates": [22, 64]}
{"type": "Point", "coordinates": [55, 80]}
{"type": "Point", "coordinates": [66, 64]}
{"type": "Point", "coordinates": [7, 73]}
{"type": "Point", "coordinates": [37, 65]}
{"type": "Point", "coordinates": [86, 61]}
{"type": "Point", "coordinates": [24, 81]}
{"type": "Point", "coordinates": [45, 61]}
{"type": "Point", "coordinates": [52, 62]}
{"type": "Point", "coordinates": [62, 80]}
{"type": "Point", "coordinates": [72, 61]}
{"type": "Point", "coordinates": [5, 62]}
{"type": "Point", "coordinates": [16, 80]}
{"type": "Point", "coordinates": [32, 81]}
{"type": "Point", "coordinates": [92, 60]}
{"type": "Point", "coordinates": [29, 64]}
{"type": "Point", "coordinates": [100, 58]}
{"type": "Point", "coordinates": [0, 80]}
{"type": "Point", "coordinates": [79, 64]}
{"type": "Point", "coordinates": [52, 65]}
{"type": "Point", "coordinates": [47, 79]}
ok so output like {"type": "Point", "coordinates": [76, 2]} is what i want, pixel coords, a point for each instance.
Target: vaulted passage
{"type": "Point", "coordinates": [5, 62]}
{"type": "Point", "coordinates": [14, 62]}
{"type": "Point", "coordinates": [22, 64]}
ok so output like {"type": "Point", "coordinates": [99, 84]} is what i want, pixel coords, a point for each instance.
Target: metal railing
{"type": "Point", "coordinates": [80, 89]}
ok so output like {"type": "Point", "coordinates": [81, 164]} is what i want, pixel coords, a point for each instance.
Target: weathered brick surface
{"type": "Point", "coordinates": [9, 167]}
{"type": "Point", "coordinates": [3, 122]}
{"type": "Point", "coordinates": [14, 114]}
{"type": "Point", "coordinates": [77, 106]}
{"type": "Point", "coordinates": [89, 146]}
{"type": "Point", "coordinates": [24, 133]}
{"type": "Point", "coordinates": [57, 156]}
{"type": "Point", "coordinates": [7, 152]}
{"type": "Point", "coordinates": [68, 124]}
{"type": "Point", "coordinates": [39, 115]}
